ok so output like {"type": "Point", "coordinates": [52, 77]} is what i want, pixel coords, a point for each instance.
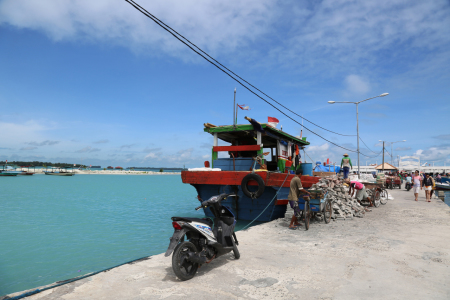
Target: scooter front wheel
{"type": "Point", "coordinates": [183, 268]}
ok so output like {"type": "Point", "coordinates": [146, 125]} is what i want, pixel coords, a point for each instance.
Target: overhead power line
{"type": "Point", "coordinates": [369, 148]}
{"type": "Point", "coordinates": [176, 35]}
{"type": "Point", "coordinates": [212, 58]}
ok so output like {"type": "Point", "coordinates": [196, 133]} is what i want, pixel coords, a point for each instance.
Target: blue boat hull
{"type": "Point", "coordinates": [263, 209]}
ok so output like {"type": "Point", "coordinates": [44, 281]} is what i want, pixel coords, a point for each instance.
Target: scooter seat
{"type": "Point", "coordinates": [206, 221]}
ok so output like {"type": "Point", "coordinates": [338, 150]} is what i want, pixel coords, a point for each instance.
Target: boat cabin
{"type": "Point", "coordinates": [247, 142]}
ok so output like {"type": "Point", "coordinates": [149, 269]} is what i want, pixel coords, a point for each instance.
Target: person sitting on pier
{"type": "Point", "coordinates": [294, 194]}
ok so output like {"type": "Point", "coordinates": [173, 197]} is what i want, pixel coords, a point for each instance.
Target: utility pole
{"type": "Point", "coordinates": [357, 136]}
{"type": "Point", "coordinates": [357, 125]}
{"type": "Point", "coordinates": [382, 164]}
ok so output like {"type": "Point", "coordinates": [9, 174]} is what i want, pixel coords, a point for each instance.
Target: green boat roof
{"type": "Point", "coordinates": [242, 132]}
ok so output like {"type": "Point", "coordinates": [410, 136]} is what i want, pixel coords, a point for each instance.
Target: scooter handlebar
{"type": "Point", "coordinates": [208, 202]}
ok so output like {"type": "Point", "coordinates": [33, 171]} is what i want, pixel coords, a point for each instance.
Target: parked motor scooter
{"type": "Point", "coordinates": [203, 244]}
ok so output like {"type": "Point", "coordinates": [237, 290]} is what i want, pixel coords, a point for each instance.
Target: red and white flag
{"type": "Point", "coordinates": [272, 122]}
{"type": "Point", "coordinates": [243, 107]}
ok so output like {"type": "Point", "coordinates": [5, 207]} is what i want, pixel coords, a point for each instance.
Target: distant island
{"type": "Point", "coordinates": [69, 165]}
{"type": "Point", "coordinates": [41, 164]}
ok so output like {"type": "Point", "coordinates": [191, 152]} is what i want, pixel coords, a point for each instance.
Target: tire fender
{"type": "Point", "coordinates": [259, 181]}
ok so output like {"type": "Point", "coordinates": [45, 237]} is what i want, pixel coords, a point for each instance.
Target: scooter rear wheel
{"type": "Point", "coordinates": [183, 268]}
{"type": "Point", "coordinates": [237, 255]}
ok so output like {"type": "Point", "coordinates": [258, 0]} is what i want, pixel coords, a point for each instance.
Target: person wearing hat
{"type": "Point", "coordinates": [346, 164]}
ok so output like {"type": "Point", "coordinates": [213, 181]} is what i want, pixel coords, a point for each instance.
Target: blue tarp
{"type": "Point", "coordinates": [322, 168]}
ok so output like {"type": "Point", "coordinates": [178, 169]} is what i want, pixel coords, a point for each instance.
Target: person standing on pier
{"type": "Point", "coordinates": [417, 184]}
{"type": "Point", "coordinates": [428, 184]}
{"type": "Point", "coordinates": [346, 164]}
{"type": "Point", "coordinates": [294, 194]}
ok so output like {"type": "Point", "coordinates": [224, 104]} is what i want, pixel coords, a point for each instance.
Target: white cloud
{"type": "Point", "coordinates": [28, 148]}
{"type": "Point", "coordinates": [127, 146]}
{"type": "Point", "coordinates": [342, 36]}
{"type": "Point", "coordinates": [323, 147]}
{"type": "Point", "coordinates": [437, 153]}
{"type": "Point", "coordinates": [326, 37]}
{"type": "Point", "coordinates": [152, 156]}
{"type": "Point", "coordinates": [21, 132]}
{"type": "Point", "coordinates": [104, 141]}
{"type": "Point", "coordinates": [213, 25]}
{"type": "Point", "coordinates": [44, 143]}
{"type": "Point", "coordinates": [356, 84]}
{"type": "Point", "coordinates": [88, 149]}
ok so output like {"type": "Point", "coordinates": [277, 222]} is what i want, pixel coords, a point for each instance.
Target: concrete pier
{"type": "Point", "coordinates": [400, 250]}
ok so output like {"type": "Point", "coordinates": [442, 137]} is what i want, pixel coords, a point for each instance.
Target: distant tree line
{"type": "Point", "coordinates": [40, 164]}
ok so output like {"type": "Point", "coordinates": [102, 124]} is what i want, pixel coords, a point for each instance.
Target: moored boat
{"type": "Point", "coordinates": [442, 186]}
{"type": "Point", "coordinates": [7, 174]}
{"type": "Point", "coordinates": [263, 194]}
{"type": "Point", "coordinates": [59, 172]}
{"type": "Point", "coordinates": [9, 171]}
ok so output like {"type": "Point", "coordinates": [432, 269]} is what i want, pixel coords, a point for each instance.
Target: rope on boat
{"type": "Point", "coordinates": [59, 283]}
{"type": "Point", "coordinates": [246, 226]}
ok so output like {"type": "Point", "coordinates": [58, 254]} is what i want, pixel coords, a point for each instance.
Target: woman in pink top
{"type": "Point", "coordinates": [417, 184]}
{"type": "Point", "coordinates": [361, 193]}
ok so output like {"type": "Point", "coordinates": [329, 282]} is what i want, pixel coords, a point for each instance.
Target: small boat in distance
{"type": "Point", "coordinates": [60, 172]}
{"type": "Point", "coordinates": [9, 171]}
{"type": "Point", "coordinates": [26, 172]}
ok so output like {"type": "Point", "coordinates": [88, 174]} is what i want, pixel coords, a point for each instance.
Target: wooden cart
{"type": "Point", "coordinates": [379, 192]}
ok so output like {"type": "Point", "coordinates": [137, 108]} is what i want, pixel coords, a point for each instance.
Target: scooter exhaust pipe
{"type": "Point", "coordinates": [199, 258]}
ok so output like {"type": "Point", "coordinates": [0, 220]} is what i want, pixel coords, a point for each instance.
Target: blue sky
{"type": "Point", "coordinates": [99, 83]}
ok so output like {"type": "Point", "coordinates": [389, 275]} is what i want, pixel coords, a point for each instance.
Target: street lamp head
{"type": "Point", "coordinates": [380, 140]}
{"type": "Point", "coordinates": [331, 102]}
{"type": "Point", "coordinates": [384, 94]}
{"type": "Point", "coordinates": [404, 140]}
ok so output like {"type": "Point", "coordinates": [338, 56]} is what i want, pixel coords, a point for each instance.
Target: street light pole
{"type": "Point", "coordinates": [392, 153]}
{"type": "Point", "coordinates": [357, 122]}
{"type": "Point", "coordinates": [357, 134]}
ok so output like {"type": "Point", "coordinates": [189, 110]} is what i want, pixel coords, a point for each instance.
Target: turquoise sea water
{"type": "Point", "coordinates": [55, 228]}
{"type": "Point", "coordinates": [447, 197]}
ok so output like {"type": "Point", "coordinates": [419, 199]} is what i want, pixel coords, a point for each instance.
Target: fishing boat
{"type": "Point", "coordinates": [9, 171]}
{"type": "Point", "coordinates": [261, 185]}
{"type": "Point", "coordinates": [2, 173]}
{"type": "Point", "coordinates": [445, 180]}
{"type": "Point", "coordinates": [444, 186]}
{"type": "Point", "coordinates": [59, 172]}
